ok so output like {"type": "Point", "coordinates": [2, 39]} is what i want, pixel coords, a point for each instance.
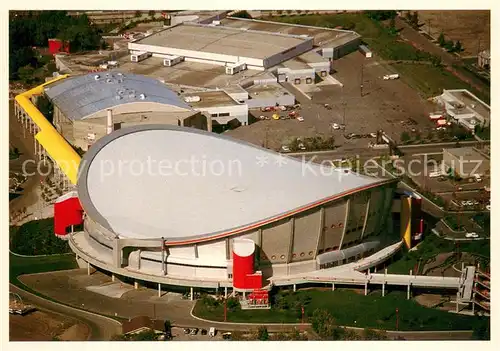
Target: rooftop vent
{"type": "Point", "coordinates": [108, 80]}
{"type": "Point", "coordinates": [96, 77]}
{"type": "Point", "coordinates": [192, 99]}
{"type": "Point", "coordinates": [118, 97]}
{"type": "Point", "coordinates": [142, 97]}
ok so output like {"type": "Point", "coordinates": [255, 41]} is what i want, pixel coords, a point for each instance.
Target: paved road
{"type": "Point", "coordinates": [102, 328]}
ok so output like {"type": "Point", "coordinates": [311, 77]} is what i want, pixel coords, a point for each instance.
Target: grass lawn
{"type": "Point", "coordinates": [26, 265]}
{"type": "Point", "coordinates": [431, 80]}
{"type": "Point", "coordinates": [352, 309]}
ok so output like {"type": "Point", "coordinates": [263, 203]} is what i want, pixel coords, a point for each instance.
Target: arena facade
{"type": "Point", "coordinates": [181, 206]}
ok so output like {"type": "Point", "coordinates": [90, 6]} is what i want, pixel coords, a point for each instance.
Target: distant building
{"type": "Point", "coordinates": [466, 108]}
{"type": "Point", "coordinates": [483, 59]}
{"type": "Point", "coordinates": [140, 324]}
{"type": "Point", "coordinates": [466, 162]}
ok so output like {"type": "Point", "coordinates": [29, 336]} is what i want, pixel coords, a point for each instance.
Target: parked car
{"type": "Point", "coordinates": [471, 235]}
{"type": "Point", "coordinates": [204, 332]}
{"type": "Point", "coordinates": [292, 114]}
{"type": "Point", "coordinates": [373, 135]}
{"type": "Point", "coordinates": [488, 207]}
{"type": "Point", "coordinates": [212, 332]}
{"type": "Point", "coordinates": [262, 117]}
{"type": "Point", "coordinates": [194, 331]}
{"type": "Point", "coordinates": [300, 119]}
{"type": "Point", "coordinates": [335, 126]}
{"type": "Point", "coordinates": [226, 336]}
{"type": "Point", "coordinates": [302, 146]}
{"type": "Point", "coordinates": [285, 148]}
{"type": "Point", "coordinates": [187, 330]}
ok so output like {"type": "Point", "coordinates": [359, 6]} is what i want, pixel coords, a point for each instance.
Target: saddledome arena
{"type": "Point", "coordinates": [181, 206]}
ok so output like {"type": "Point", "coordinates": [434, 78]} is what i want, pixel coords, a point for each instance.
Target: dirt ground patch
{"type": "Point", "coordinates": [45, 326]}
{"type": "Point", "coordinates": [430, 300]}
{"type": "Point", "coordinates": [471, 27]}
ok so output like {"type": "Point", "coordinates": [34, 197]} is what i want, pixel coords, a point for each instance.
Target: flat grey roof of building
{"type": "Point", "coordinates": [211, 99]}
{"type": "Point", "coordinates": [471, 101]}
{"type": "Point", "coordinates": [322, 36]}
{"type": "Point", "coordinates": [81, 96]}
{"type": "Point", "coordinates": [466, 153]}
{"type": "Point", "coordinates": [222, 40]}
{"type": "Point", "coordinates": [188, 185]}
{"type": "Point", "coordinates": [263, 91]}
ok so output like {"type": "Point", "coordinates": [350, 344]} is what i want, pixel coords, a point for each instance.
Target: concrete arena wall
{"type": "Point", "coordinates": [288, 54]}
{"type": "Point", "coordinates": [289, 246]}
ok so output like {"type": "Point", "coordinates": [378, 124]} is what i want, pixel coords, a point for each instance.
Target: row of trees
{"type": "Point", "coordinates": [26, 33]}
{"type": "Point", "coordinates": [449, 45]}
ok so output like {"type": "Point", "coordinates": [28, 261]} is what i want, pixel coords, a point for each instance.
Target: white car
{"type": "Point", "coordinates": [285, 148]}
{"type": "Point", "coordinates": [335, 126]}
{"type": "Point", "coordinates": [373, 135]}
{"type": "Point", "coordinates": [471, 235]}
{"type": "Point", "coordinates": [488, 207]}
{"type": "Point", "coordinates": [302, 146]}
{"type": "Point", "coordinates": [469, 203]}
{"type": "Point", "coordinates": [300, 119]}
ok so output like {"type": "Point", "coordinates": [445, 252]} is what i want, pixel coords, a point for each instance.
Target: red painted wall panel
{"type": "Point", "coordinates": [56, 46]}
{"type": "Point", "coordinates": [244, 276]}
{"type": "Point", "coordinates": [67, 212]}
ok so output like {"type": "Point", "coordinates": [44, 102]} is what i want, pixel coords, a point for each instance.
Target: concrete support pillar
{"type": "Point", "coordinates": [408, 292]}
{"type": "Point", "coordinates": [385, 271]}
{"type": "Point", "coordinates": [225, 292]}
{"type": "Point", "coordinates": [458, 297]}
{"type": "Point", "coordinates": [333, 286]}
{"type": "Point", "coordinates": [117, 254]}
{"type": "Point", "coordinates": [113, 277]}
{"type": "Point", "coordinates": [244, 295]}
{"type": "Point", "coordinates": [88, 268]}
{"type": "Point", "coordinates": [159, 290]}
{"type": "Point", "coordinates": [36, 147]}
{"type": "Point", "coordinates": [136, 285]}
{"type": "Point", "coordinates": [375, 269]}
{"type": "Point", "coordinates": [192, 295]}
{"type": "Point", "coordinates": [383, 289]}
{"type": "Point", "coordinates": [366, 288]}
{"type": "Point", "coordinates": [294, 287]}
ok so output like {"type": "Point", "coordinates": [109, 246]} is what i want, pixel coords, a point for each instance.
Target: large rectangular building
{"type": "Point", "coordinates": [333, 43]}
{"type": "Point", "coordinates": [222, 45]}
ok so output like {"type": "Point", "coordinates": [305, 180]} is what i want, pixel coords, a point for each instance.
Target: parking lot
{"type": "Point", "coordinates": [178, 334]}
{"type": "Point", "coordinates": [385, 104]}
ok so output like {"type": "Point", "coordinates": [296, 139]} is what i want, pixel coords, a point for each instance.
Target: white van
{"type": "Point", "coordinates": [211, 332]}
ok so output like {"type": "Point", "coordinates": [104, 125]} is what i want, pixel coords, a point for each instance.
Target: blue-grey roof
{"type": "Point", "coordinates": [80, 96]}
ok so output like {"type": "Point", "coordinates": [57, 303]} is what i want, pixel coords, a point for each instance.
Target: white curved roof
{"type": "Point", "coordinates": [80, 96]}
{"type": "Point", "coordinates": [185, 184]}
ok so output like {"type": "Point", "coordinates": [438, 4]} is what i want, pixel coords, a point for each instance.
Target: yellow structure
{"type": "Point", "coordinates": [406, 220]}
{"type": "Point", "coordinates": [49, 138]}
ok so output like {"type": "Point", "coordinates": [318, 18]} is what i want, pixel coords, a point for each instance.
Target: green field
{"type": "Point", "coordinates": [431, 80]}
{"type": "Point", "coordinates": [352, 309]}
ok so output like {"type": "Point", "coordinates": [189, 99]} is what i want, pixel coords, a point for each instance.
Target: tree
{"type": "Point", "coordinates": [242, 14]}
{"type": "Point", "coordinates": [289, 11]}
{"type": "Point", "coordinates": [392, 25]}
{"type": "Point", "coordinates": [151, 13]}
{"type": "Point", "coordinates": [138, 13]}
{"type": "Point", "coordinates": [233, 304]}
{"type": "Point", "coordinates": [26, 74]}
{"type": "Point", "coordinates": [405, 137]}
{"type": "Point", "coordinates": [414, 19]}
{"type": "Point", "coordinates": [458, 46]}
{"type": "Point", "coordinates": [441, 39]}
{"type": "Point", "coordinates": [323, 323]}
{"type": "Point", "coordinates": [449, 45]}
{"type": "Point", "coordinates": [262, 333]}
